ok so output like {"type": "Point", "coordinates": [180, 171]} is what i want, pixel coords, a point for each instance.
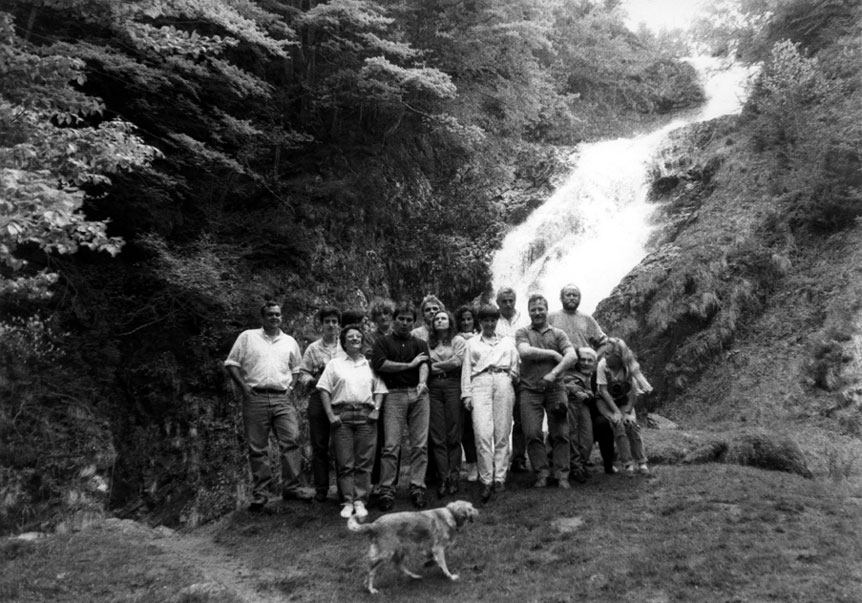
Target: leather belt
{"type": "Point", "coordinates": [444, 375]}
{"type": "Point", "coordinates": [269, 390]}
{"type": "Point", "coordinates": [495, 369]}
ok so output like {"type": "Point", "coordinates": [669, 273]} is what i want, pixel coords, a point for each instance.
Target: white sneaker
{"type": "Point", "coordinates": [472, 472]}
{"type": "Point", "coordinates": [360, 510]}
{"type": "Point", "coordinates": [347, 510]}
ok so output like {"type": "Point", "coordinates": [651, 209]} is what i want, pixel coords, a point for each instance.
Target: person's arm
{"type": "Point", "coordinates": [334, 420]}
{"type": "Point", "coordinates": [528, 352]}
{"type": "Point", "coordinates": [628, 408]}
{"type": "Point", "coordinates": [609, 408]}
{"type": "Point", "coordinates": [422, 386]}
{"type": "Point", "coordinates": [466, 381]}
{"type": "Point", "coordinates": [567, 359]}
{"type": "Point", "coordinates": [236, 376]}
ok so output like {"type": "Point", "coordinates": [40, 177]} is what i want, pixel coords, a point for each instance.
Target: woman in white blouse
{"type": "Point", "coordinates": [488, 374]}
{"type": "Point", "coordinates": [352, 394]}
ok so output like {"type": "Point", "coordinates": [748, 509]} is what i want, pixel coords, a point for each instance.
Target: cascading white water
{"type": "Point", "coordinates": [593, 230]}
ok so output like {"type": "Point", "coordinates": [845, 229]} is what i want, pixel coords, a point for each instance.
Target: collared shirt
{"type": "Point", "coordinates": [317, 355]}
{"type": "Point", "coordinates": [398, 348]}
{"type": "Point", "coordinates": [582, 329]}
{"type": "Point", "coordinates": [265, 361]}
{"type": "Point", "coordinates": [548, 338]}
{"type": "Point", "coordinates": [482, 354]}
{"type": "Point", "coordinates": [350, 381]}
{"type": "Point", "coordinates": [608, 377]}
{"type": "Point", "coordinates": [508, 328]}
{"type": "Point", "coordinates": [456, 349]}
{"type": "Point", "coordinates": [368, 341]}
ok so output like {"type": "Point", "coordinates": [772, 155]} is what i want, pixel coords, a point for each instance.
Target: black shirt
{"type": "Point", "coordinates": [398, 348]}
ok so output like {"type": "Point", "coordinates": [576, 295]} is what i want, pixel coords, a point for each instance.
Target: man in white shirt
{"type": "Point", "coordinates": [508, 324]}
{"type": "Point", "coordinates": [264, 364]}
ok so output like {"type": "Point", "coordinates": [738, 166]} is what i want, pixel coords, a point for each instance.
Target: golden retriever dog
{"type": "Point", "coordinates": [393, 536]}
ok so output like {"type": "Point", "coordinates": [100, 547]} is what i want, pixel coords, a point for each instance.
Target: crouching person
{"type": "Point", "coordinates": [352, 395]}
{"type": "Point", "coordinates": [581, 387]}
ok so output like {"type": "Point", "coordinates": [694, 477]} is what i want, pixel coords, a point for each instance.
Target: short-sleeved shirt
{"type": "Point", "coordinates": [349, 381]}
{"type": "Point", "coordinates": [549, 338]}
{"type": "Point", "coordinates": [317, 355]}
{"type": "Point", "coordinates": [508, 328]}
{"type": "Point", "coordinates": [582, 329]}
{"type": "Point", "coordinates": [398, 348]}
{"type": "Point", "coordinates": [617, 382]}
{"type": "Point", "coordinates": [265, 361]}
{"type": "Point", "coordinates": [368, 341]}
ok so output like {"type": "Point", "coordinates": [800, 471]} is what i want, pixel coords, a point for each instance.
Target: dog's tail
{"type": "Point", "coordinates": [354, 526]}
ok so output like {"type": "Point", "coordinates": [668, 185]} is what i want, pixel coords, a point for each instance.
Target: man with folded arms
{"type": "Point", "coordinates": [264, 364]}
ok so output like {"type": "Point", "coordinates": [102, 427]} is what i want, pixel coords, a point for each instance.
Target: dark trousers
{"type": "Point", "coordinates": [468, 436]}
{"type": "Point", "coordinates": [603, 433]}
{"type": "Point", "coordinates": [318, 433]}
{"type": "Point", "coordinates": [519, 441]}
{"type": "Point", "coordinates": [444, 430]}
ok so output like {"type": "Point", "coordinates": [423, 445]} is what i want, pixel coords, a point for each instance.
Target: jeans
{"type": "Point", "coordinates": [580, 433]}
{"type": "Point", "coordinates": [629, 443]}
{"type": "Point", "coordinates": [404, 407]}
{"type": "Point", "coordinates": [354, 457]}
{"type": "Point", "coordinates": [444, 429]}
{"type": "Point", "coordinates": [534, 406]}
{"type": "Point", "coordinates": [318, 434]}
{"type": "Point", "coordinates": [493, 401]}
{"type": "Point", "coordinates": [260, 414]}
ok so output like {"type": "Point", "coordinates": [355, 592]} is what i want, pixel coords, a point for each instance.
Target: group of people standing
{"type": "Point", "coordinates": [476, 385]}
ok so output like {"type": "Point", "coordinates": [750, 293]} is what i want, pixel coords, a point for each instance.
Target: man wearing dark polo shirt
{"type": "Point", "coordinates": [401, 360]}
{"type": "Point", "coordinates": [545, 355]}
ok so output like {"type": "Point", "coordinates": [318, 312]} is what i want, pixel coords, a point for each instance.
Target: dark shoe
{"type": "Point", "coordinates": [442, 489]}
{"type": "Point", "coordinates": [256, 507]}
{"type": "Point", "coordinates": [454, 487]}
{"type": "Point", "coordinates": [418, 498]}
{"type": "Point", "coordinates": [541, 481]}
{"type": "Point", "coordinates": [303, 494]}
{"type": "Point", "coordinates": [320, 496]}
{"type": "Point", "coordinates": [386, 503]}
{"type": "Point", "coordinates": [579, 475]}
{"type": "Point", "coordinates": [518, 467]}
{"type": "Point", "coordinates": [487, 491]}
{"type": "Point", "coordinates": [610, 470]}
{"type": "Point", "coordinates": [499, 487]}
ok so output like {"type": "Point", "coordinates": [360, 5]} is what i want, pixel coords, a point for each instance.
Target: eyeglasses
{"type": "Point", "coordinates": [431, 309]}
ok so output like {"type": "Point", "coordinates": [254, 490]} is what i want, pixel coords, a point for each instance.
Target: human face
{"type": "Point", "coordinates": [383, 322]}
{"type": "Point", "coordinates": [538, 313]}
{"type": "Point", "coordinates": [506, 303]}
{"type": "Point", "coordinates": [440, 322]}
{"type": "Point", "coordinates": [467, 322]}
{"type": "Point", "coordinates": [489, 326]}
{"type": "Point", "coordinates": [429, 311]}
{"type": "Point", "coordinates": [571, 298]}
{"type": "Point", "coordinates": [330, 327]}
{"type": "Point", "coordinates": [587, 365]}
{"type": "Point", "coordinates": [404, 323]}
{"type": "Point", "coordinates": [614, 361]}
{"type": "Point", "coordinates": [271, 318]}
{"type": "Point", "coordinates": [353, 342]}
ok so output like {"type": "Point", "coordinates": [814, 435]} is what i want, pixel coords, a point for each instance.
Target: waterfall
{"type": "Point", "coordinates": [594, 229]}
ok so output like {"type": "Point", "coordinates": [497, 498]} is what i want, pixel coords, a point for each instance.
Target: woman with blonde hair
{"type": "Point", "coordinates": [619, 380]}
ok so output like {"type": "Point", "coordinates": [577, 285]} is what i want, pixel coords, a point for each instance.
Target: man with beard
{"type": "Point", "coordinates": [583, 331]}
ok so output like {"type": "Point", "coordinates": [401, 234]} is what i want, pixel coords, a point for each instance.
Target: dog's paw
{"type": "Point", "coordinates": [454, 577]}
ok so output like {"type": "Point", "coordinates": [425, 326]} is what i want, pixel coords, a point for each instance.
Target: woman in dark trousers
{"type": "Point", "coordinates": [468, 326]}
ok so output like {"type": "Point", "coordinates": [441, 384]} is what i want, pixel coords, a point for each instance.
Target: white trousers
{"type": "Point", "coordinates": [493, 400]}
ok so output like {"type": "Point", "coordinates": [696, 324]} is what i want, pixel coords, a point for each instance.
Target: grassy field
{"type": "Point", "coordinates": [693, 533]}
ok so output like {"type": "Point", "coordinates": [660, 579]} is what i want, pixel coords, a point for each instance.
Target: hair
{"type": "Point", "coordinates": [505, 291]}
{"type": "Point", "coordinates": [488, 311]}
{"type": "Point", "coordinates": [327, 311]}
{"type": "Point", "coordinates": [381, 306]}
{"type": "Point", "coordinates": [537, 297]}
{"type": "Point", "coordinates": [430, 299]}
{"type": "Point", "coordinates": [269, 304]}
{"type": "Point", "coordinates": [459, 317]}
{"type": "Point", "coordinates": [617, 347]}
{"type": "Point", "coordinates": [353, 315]}
{"type": "Point", "coordinates": [570, 286]}
{"type": "Point", "coordinates": [434, 338]}
{"type": "Point", "coordinates": [404, 307]}
{"type": "Point", "coordinates": [342, 335]}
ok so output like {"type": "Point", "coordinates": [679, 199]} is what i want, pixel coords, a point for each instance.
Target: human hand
{"type": "Point", "coordinates": [422, 388]}
{"type": "Point", "coordinates": [468, 403]}
{"type": "Point", "coordinates": [374, 415]}
{"type": "Point", "coordinates": [334, 421]}
{"type": "Point", "coordinates": [616, 417]}
{"type": "Point", "coordinates": [630, 418]}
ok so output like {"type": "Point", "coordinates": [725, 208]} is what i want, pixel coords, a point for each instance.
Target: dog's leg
{"type": "Point", "coordinates": [440, 558]}
{"type": "Point", "coordinates": [398, 559]}
{"type": "Point", "coordinates": [375, 563]}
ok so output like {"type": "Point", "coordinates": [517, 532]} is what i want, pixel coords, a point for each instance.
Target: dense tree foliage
{"type": "Point", "coordinates": [238, 150]}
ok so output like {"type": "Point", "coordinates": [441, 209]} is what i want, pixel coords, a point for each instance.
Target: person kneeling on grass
{"type": "Point", "coordinates": [352, 395]}
{"type": "Point", "coordinates": [620, 381]}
